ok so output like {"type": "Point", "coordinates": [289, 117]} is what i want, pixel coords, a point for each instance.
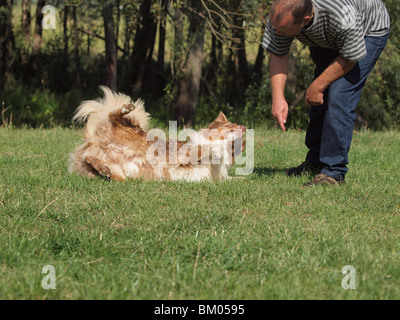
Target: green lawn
{"type": "Point", "coordinates": [264, 237]}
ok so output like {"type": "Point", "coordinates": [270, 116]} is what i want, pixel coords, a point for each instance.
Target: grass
{"type": "Point", "coordinates": [263, 237]}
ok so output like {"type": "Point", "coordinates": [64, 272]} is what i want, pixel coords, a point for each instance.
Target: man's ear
{"type": "Point", "coordinates": [307, 20]}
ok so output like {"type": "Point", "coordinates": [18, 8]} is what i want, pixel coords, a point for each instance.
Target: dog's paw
{"type": "Point", "coordinates": [127, 108]}
{"type": "Point", "coordinates": [105, 171]}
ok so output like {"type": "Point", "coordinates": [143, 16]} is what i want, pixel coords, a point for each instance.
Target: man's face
{"type": "Point", "coordinates": [287, 27]}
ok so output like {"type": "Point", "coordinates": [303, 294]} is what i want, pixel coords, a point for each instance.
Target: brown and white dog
{"type": "Point", "coordinates": [119, 145]}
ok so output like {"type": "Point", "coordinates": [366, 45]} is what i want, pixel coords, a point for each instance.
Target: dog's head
{"type": "Point", "coordinates": [222, 129]}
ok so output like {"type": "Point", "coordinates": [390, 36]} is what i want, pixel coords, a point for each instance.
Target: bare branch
{"type": "Point", "coordinates": [93, 34]}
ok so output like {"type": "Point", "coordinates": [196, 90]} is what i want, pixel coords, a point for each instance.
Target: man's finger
{"type": "Point", "coordinates": [285, 115]}
{"type": "Point", "coordinates": [282, 123]}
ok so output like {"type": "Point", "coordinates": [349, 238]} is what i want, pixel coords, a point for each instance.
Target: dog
{"type": "Point", "coordinates": [118, 144]}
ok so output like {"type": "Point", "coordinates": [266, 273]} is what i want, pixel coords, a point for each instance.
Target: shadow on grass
{"type": "Point", "coordinates": [265, 171]}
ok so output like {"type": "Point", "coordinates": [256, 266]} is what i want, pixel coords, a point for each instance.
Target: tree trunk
{"type": "Point", "coordinates": [259, 63]}
{"type": "Point", "coordinates": [177, 60]}
{"type": "Point", "coordinates": [76, 48]}
{"type": "Point", "coordinates": [189, 84]}
{"type": "Point", "coordinates": [26, 21]}
{"type": "Point", "coordinates": [37, 35]}
{"type": "Point", "coordinates": [161, 40]}
{"type": "Point", "coordinates": [242, 76]}
{"type": "Point", "coordinates": [66, 47]}
{"type": "Point", "coordinates": [6, 40]}
{"type": "Point", "coordinates": [143, 45]}
{"type": "Point", "coordinates": [216, 56]}
{"type": "Point", "coordinates": [160, 81]}
{"type": "Point", "coordinates": [111, 46]}
{"type": "Point", "coordinates": [128, 32]}
{"type": "Point", "coordinates": [161, 48]}
{"type": "Point", "coordinates": [33, 65]}
{"type": "Point", "coordinates": [178, 53]}
{"type": "Point", "coordinates": [117, 23]}
{"type": "Point", "coordinates": [242, 66]}
{"type": "Point", "coordinates": [241, 72]}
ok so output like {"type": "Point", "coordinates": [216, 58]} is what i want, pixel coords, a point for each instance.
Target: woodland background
{"type": "Point", "coordinates": [188, 59]}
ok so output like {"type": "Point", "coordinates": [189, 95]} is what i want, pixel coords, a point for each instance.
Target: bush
{"type": "Point", "coordinates": [379, 106]}
{"type": "Point", "coordinates": [32, 108]}
{"type": "Point", "coordinates": [40, 107]}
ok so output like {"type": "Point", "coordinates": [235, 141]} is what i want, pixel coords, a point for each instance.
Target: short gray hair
{"type": "Point", "coordinates": [298, 8]}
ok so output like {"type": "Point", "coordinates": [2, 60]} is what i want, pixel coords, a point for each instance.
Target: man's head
{"type": "Point", "coordinates": [289, 17]}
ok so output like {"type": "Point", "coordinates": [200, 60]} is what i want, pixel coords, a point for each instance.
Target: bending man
{"type": "Point", "coordinates": [346, 38]}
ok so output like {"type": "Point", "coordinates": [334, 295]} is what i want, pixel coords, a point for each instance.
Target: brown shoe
{"type": "Point", "coordinates": [323, 179]}
{"type": "Point", "coordinates": [305, 168]}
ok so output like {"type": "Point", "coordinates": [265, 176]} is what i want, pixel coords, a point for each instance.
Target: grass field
{"type": "Point", "coordinates": [263, 237]}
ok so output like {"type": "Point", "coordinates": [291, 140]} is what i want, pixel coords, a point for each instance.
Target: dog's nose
{"type": "Point", "coordinates": [243, 128]}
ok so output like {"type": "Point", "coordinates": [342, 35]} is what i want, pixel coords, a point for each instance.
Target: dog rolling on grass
{"type": "Point", "coordinates": [118, 145]}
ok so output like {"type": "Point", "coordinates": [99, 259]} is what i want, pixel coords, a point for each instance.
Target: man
{"type": "Point", "coordinates": [346, 38]}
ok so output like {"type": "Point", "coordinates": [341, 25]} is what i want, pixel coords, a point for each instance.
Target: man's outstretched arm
{"type": "Point", "coordinates": [278, 70]}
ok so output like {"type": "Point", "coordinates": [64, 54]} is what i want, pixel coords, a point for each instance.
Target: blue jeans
{"type": "Point", "coordinates": [331, 125]}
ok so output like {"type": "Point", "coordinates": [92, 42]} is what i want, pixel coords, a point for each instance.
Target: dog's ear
{"type": "Point", "coordinates": [221, 118]}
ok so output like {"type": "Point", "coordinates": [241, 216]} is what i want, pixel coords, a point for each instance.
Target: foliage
{"type": "Point", "coordinates": [379, 106]}
{"type": "Point", "coordinates": [244, 100]}
{"type": "Point", "coordinates": [40, 107]}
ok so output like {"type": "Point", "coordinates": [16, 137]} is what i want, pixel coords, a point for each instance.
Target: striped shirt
{"type": "Point", "coordinates": [341, 25]}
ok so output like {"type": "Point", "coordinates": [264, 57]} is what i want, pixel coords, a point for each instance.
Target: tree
{"type": "Point", "coordinates": [189, 83]}
{"type": "Point", "coordinates": [111, 45]}
{"type": "Point", "coordinates": [160, 83]}
{"type": "Point", "coordinates": [6, 40]}
{"type": "Point", "coordinates": [65, 58]}
{"type": "Point", "coordinates": [76, 46]}
{"type": "Point", "coordinates": [26, 20]}
{"type": "Point", "coordinates": [240, 64]}
{"type": "Point", "coordinates": [37, 35]}
{"type": "Point", "coordinates": [144, 41]}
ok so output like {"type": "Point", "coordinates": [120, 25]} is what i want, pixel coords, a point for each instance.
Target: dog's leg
{"type": "Point", "coordinates": [103, 169]}
{"type": "Point", "coordinates": [116, 116]}
{"type": "Point", "coordinates": [100, 168]}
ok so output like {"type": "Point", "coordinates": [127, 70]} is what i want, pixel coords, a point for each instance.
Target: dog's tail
{"type": "Point", "coordinates": [95, 111]}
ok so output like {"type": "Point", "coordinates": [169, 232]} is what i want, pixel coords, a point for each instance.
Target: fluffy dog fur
{"type": "Point", "coordinates": [117, 142]}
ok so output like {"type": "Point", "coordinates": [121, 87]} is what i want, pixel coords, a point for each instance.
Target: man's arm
{"type": "Point", "coordinates": [336, 70]}
{"type": "Point", "coordinates": [278, 70]}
